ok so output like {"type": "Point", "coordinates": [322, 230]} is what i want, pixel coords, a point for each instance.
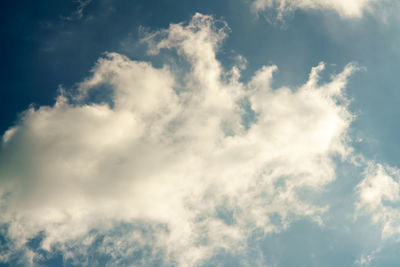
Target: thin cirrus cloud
{"type": "Point", "coordinates": [344, 8]}
{"type": "Point", "coordinates": [167, 163]}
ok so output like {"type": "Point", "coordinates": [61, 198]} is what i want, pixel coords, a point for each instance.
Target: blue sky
{"type": "Point", "coordinates": [199, 133]}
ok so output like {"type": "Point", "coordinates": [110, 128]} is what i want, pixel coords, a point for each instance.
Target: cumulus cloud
{"type": "Point", "coordinates": [169, 163]}
{"type": "Point", "coordinates": [345, 8]}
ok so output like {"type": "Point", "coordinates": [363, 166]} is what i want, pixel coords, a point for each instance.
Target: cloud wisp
{"type": "Point", "coordinates": [379, 197]}
{"type": "Point", "coordinates": [348, 9]}
{"type": "Point", "coordinates": [169, 162]}
{"type": "Point", "coordinates": [78, 12]}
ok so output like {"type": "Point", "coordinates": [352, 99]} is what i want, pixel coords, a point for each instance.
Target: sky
{"type": "Point", "coordinates": [200, 133]}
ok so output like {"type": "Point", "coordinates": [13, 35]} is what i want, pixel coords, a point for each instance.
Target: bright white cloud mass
{"type": "Point", "coordinates": [183, 161]}
{"type": "Point", "coordinates": [174, 154]}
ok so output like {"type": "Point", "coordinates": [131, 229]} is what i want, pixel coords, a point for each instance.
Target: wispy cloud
{"type": "Point", "coordinates": [78, 13]}
{"type": "Point", "coordinates": [345, 8]}
{"type": "Point", "coordinates": [379, 197]}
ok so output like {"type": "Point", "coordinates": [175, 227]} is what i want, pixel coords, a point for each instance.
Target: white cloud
{"type": "Point", "coordinates": [172, 152]}
{"type": "Point", "coordinates": [345, 8]}
{"type": "Point", "coordinates": [379, 197]}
